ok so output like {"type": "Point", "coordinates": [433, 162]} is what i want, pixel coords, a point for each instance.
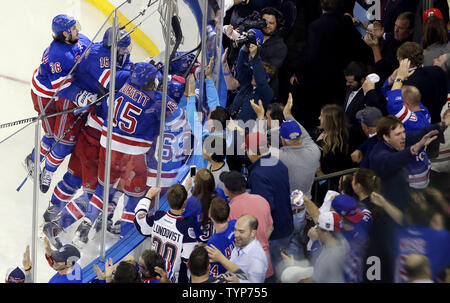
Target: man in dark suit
{"type": "Point", "coordinates": [332, 43]}
{"type": "Point", "coordinates": [359, 95]}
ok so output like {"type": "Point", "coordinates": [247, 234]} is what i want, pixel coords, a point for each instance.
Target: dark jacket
{"type": "Point", "coordinates": [389, 46]}
{"type": "Point", "coordinates": [359, 102]}
{"type": "Point", "coordinates": [432, 84]}
{"type": "Point", "coordinates": [273, 52]}
{"type": "Point", "coordinates": [391, 166]}
{"type": "Point", "coordinates": [393, 9]}
{"type": "Point", "coordinates": [244, 71]}
{"type": "Point", "coordinates": [272, 183]}
{"type": "Point", "coordinates": [332, 43]}
{"type": "Point", "coordinates": [366, 148]}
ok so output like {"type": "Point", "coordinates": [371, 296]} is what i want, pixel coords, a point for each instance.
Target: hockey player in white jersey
{"type": "Point", "coordinates": [172, 236]}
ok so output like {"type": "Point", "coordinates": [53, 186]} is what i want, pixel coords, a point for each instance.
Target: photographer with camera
{"type": "Point", "coordinates": [253, 76]}
{"type": "Point", "coordinates": [273, 50]}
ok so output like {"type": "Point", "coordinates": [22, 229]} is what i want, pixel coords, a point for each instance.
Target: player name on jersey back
{"type": "Point", "coordinates": [165, 232]}
{"type": "Point", "coordinates": [134, 94]}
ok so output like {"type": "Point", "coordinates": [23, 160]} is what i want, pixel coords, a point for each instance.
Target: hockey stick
{"type": "Point", "coordinates": [81, 110]}
{"type": "Point", "coordinates": [142, 13]}
{"type": "Point", "coordinates": [51, 149]}
{"type": "Point", "coordinates": [76, 111]}
{"type": "Point", "coordinates": [176, 27]}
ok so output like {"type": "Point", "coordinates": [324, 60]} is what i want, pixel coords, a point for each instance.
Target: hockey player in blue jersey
{"type": "Point", "coordinates": [136, 123]}
{"type": "Point", "coordinates": [172, 235]}
{"type": "Point", "coordinates": [93, 75]}
{"type": "Point", "coordinates": [51, 76]}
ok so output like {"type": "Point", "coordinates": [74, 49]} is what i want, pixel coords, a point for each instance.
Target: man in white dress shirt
{"type": "Point", "coordinates": [247, 254]}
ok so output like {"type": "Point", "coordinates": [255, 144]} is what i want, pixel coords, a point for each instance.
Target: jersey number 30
{"type": "Point", "coordinates": [167, 250]}
{"type": "Point", "coordinates": [123, 117]}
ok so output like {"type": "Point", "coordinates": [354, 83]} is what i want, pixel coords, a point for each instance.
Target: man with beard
{"type": "Point", "coordinates": [273, 49]}
{"type": "Point", "coordinates": [51, 76]}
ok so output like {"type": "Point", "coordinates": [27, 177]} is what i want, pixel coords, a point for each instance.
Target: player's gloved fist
{"type": "Point", "coordinates": [85, 98]}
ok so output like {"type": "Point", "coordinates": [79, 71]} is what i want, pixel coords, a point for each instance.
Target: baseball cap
{"type": "Point", "coordinates": [369, 116]}
{"type": "Point", "coordinates": [347, 207]}
{"type": "Point", "coordinates": [255, 142]}
{"type": "Point", "coordinates": [330, 221]}
{"type": "Point", "coordinates": [290, 130]}
{"type": "Point", "coordinates": [293, 274]}
{"type": "Point", "coordinates": [431, 12]}
{"type": "Point", "coordinates": [259, 37]}
{"type": "Point", "coordinates": [15, 275]}
{"type": "Point", "coordinates": [68, 253]}
{"type": "Point", "coordinates": [234, 181]}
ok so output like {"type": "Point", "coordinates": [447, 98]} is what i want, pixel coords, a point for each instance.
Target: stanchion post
{"type": "Point", "coordinates": [164, 98]}
{"type": "Point", "coordinates": [35, 227]}
{"type": "Point", "coordinates": [112, 86]}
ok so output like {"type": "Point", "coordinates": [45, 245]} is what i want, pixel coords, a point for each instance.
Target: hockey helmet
{"type": "Point", "coordinates": [175, 90]}
{"type": "Point", "coordinates": [62, 23]}
{"type": "Point", "coordinates": [180, 66]}
{"type": "Point", "coordinates": [142, 74]}
{"type": "Point", "coordinates": [124, 42]}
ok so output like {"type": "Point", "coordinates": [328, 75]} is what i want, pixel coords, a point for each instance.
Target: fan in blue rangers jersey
{"type": "Point", "coordinates": [197, 206]}
{"type": "Point", "coordinates": [176, 138]}
{"type": "Point", "coordinates": [357, 221]}
{"type": "Point", "coordinates": [137, 113]}
{"type": "Point", "coordinates": [52, 75]}
{"type": "Point", "coordinates": [93, 73]}
{"type": "Point", "coordinates": [404, 103]}
{"type": "Point", "coordinates": [172, 235]}
{"type": "Point", "coordinates": [223, 237]}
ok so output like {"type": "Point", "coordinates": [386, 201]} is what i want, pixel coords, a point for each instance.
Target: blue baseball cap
{"type": "Point", "coordinates": [290, 130]}
{"type": "Point", "coordinates": [347, 207]}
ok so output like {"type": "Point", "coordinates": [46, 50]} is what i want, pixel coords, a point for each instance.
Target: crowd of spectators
{"type": "Point", "coordinates": [376, 103]}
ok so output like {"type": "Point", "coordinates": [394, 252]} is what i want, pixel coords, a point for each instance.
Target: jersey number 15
{"type": "Point", "coordinates": [123, 117]}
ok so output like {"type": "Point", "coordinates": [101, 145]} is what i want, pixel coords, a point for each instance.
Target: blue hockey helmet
{"type": "Point", "coordinates": [180, 66]}
{"type": "Point", "coordinates": [142, 74]}
{"type": "Point", "coordinates": [62, 23]}
{"type": "Point", "coordinates": [175, 90]}
{"type": "Point", "coordinates": [124, 42]}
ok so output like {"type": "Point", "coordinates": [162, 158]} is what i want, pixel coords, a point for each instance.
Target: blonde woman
{"type": "Point", "coordinates": [333, 142]}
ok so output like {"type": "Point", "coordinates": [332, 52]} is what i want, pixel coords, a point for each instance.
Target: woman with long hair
{"type": "Point", "coordinates": [435, 39]}
{"type": "Point", "coordinates": [364, 183]}
{"type": "Point", "coordinates": [333, 142]}
{"type": "Point", "coordinates": [197, 206]}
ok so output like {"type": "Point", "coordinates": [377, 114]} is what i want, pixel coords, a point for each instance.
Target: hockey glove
{"type": "Point", "coordinates": [85, 98]}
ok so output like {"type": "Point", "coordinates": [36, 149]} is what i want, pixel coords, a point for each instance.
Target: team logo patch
{"type": "Point", "coordinates": [422, 156]}
{"type": "Point", "coordinates": [413, 117]}
{"type": "Point", "coordinates": [141, 216]}
{"type": "Point", "coordinates": [191, 232]}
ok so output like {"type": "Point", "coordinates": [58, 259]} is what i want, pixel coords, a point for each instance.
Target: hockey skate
{"type": "Point", "coordinates": [81, 235]}
{"type": "Point", "coordinates": [51, 213]}
{"type": "Point", "coordinates": [52, 230]}
{"type": "Point", "coordinates": [114, 229]}
{"type": "Point", "coordinates": [98, 224]}
{"type": "Point", "coordinates": [45, 180]}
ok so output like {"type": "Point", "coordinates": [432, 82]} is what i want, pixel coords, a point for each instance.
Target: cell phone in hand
{"type": "Point", "coordinates": [193, 170]}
